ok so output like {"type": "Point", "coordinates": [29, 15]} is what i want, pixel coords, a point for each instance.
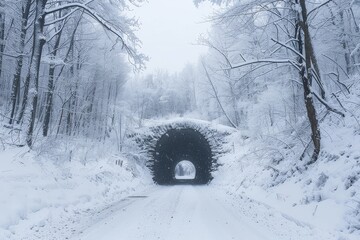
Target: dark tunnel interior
{"type": "Point", "coordinates": [177, 145]}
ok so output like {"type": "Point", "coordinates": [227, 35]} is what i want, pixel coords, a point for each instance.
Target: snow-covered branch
{"type": "Point", "coordinates": [318, 7]}
{"type": "Point", "coordinates": [136, 59]}
{"type": "Point", "coordinates": [66, 16]}
{"type": "Point", "coordinates": [270, 60]}
{"type": "Point", "coordinates": [326, 104]}
{"type": "Point", "coordinates": [289, 48]}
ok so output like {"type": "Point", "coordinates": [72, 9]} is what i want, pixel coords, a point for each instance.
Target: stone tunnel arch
{"type": "Point", "coordinates": [176, 145]}
{"type": "Point", "coordinates": [163, 145]}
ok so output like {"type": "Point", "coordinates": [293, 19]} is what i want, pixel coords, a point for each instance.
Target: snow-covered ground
{"type": "Point", "coordinates": [103, 200]}
{"type": "Point", "coordinates": [78, 189]}
{"type": "Point", "coordinates": [197, 212]}
{"type": "Point", "coordinates": [325, 194]}
{"type": "Point", "coordinates": [43, 194]}
{"type": "Point", "coordinates": [109, 198]}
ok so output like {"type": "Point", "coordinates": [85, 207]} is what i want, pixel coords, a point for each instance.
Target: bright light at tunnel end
{"type": "Point", "coordinates": [185, 170]}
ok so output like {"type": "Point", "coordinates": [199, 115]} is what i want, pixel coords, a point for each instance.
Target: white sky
{"type": "Point", "coordinates": [169, 30]}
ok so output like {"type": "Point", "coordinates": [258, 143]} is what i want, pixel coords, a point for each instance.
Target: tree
{"type": "Point", "coordinates": [306, 73]}
{"type": "Point", "coordinates": [2, 33]}
{"type": "Point", "coordinates": [39, 40]}
{"type": "Point", "coordinates": [15, 90]}
{"type": "Point", "coordinates": [53, 54]}
{"type": "Point", "coordinates": [286, 25]}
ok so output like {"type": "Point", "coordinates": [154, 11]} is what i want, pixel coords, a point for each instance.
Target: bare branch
{"type": "Point", "coordinates": [347, 75]}
{"type": "Point", "coordinates": [281, 61]}
{"type": "Point", "coordinates": [288, 47]}
{"type": "Point", "coordinates": [326, 104]}
{"type": "Point", "coordinates": [136, 59]}
{"type": "Point", "coordinates": [61, 18]}
{"type": "Point", "coordinates": [217, 96]}
{"type": "Point", "coordinates": [318, 7]}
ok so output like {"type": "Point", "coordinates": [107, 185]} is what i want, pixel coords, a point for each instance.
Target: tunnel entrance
{"type": "Point", "coordinates": [185, 170]}
{"type": "Point", "coordinates": [177, 145]}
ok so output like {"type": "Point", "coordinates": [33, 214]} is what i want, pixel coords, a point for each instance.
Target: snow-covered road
{"type": "Point", "coordinates": [196, 212]}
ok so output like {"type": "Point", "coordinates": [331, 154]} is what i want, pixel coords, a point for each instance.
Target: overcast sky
{"type": "Point", "coordinates": [169, 30]}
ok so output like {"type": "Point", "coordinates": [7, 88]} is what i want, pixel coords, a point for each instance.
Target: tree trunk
{"type": "Point", "coordinates": [344, 43]}
{"type": "Point", "coordinates": [39, 41]}
{"type": "Point", "coordinates": [50, 90]}
{"type": "Point", "coordinates": [15, 90]}
{"type": "Point", "coordinates": [2, 33]}
{"type": "Point", "coordinates": [68, 53]}
{"type": "Point", "coordinates": [309, 49]}
{"type": "Point", "coordinates": [69, 116]}
{"type": "Point", "coordinates": [75, 99]}
{"type": "Point", "coordinates": [356, 56]}
{"type": "Point", "coordinates": [25, 96]}
{"type": "Point", "coordinates": [306, 77]}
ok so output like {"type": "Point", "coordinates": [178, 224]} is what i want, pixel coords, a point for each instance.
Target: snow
{"type": "Point", "coordinates": [79, 189]}
{"type": "Point", "coordinates": [196, 212]}
{"type": "Point", "coordinates": [357, 48]}
{"type": "Point", "coordinates": [324, 195]}
{"type": "Point", "coordinates": [39, 195]}
{"type": "Point", "coordinates": [306, 197]}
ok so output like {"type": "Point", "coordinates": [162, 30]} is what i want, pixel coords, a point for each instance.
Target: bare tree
{"type": "Point", "coordinates": [2, 33]}
{"type": "Point", "coordinates": [39, 41]}
{"type": "Point", "coordinates": [15, 90]}
{"type": "Point", "coordinates": [288, 27]}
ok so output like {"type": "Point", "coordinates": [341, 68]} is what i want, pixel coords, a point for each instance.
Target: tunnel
{"type": "Point", "coordinates": [177, 145]}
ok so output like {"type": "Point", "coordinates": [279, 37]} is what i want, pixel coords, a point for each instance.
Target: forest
{"type": "Point", "coordinates": [66, 68]}
{"type": "Point", "coordinates": [284, 75]}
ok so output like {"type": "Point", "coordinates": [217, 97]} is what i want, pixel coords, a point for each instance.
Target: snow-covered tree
{"type": "Point", "coordinates": [254, 42]}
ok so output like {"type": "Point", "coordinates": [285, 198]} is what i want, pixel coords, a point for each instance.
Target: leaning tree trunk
{"type": "Point", "coordinates": [15, 90]}
{"type": "Point", "coordinates": [39, 41]}
{"type": "Point", "coordinates": [306, 77]}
